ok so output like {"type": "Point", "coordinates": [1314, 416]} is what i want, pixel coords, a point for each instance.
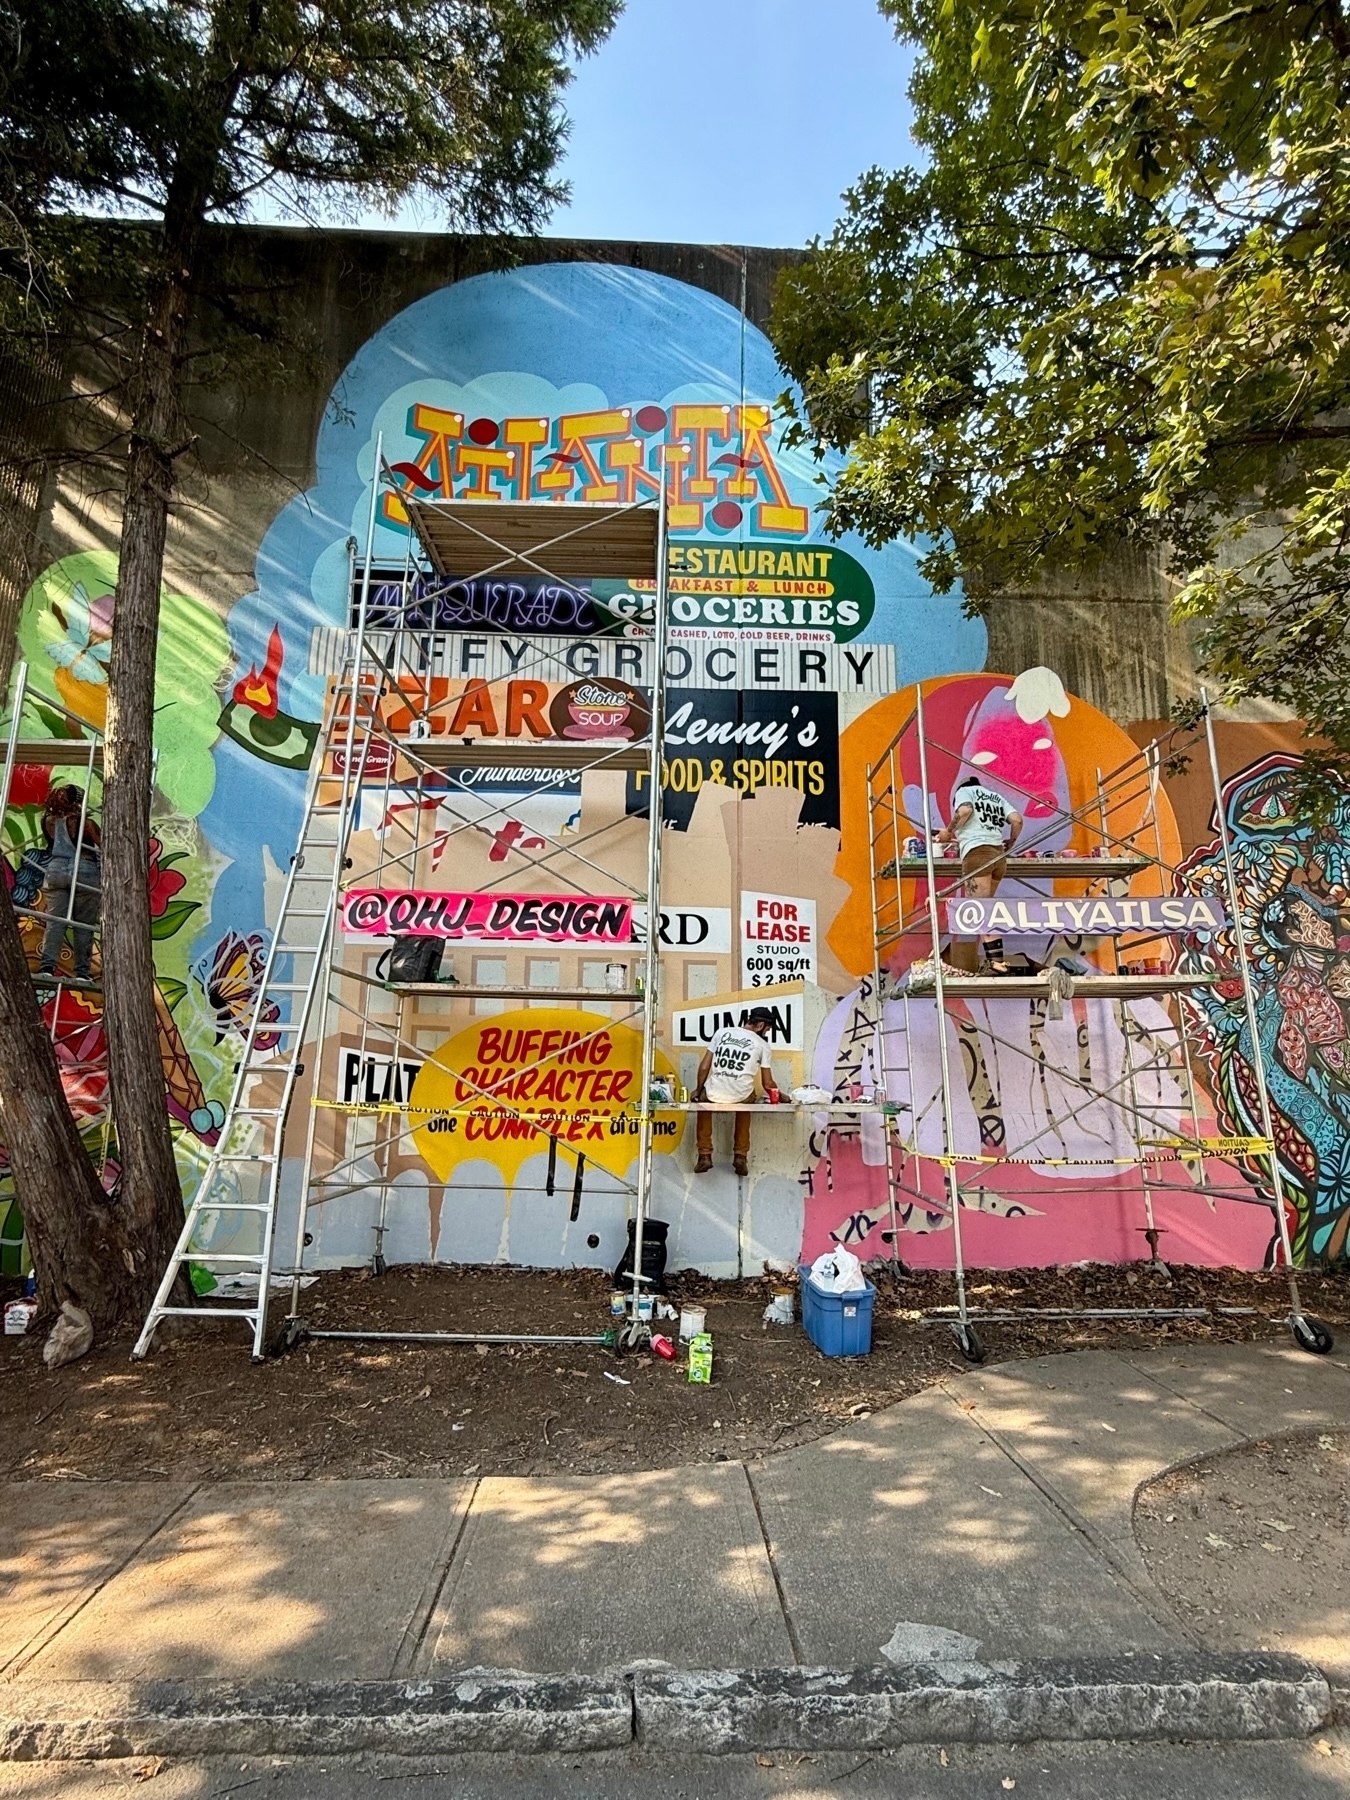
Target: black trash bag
{"type": "Point", "coordinates": [411, 959]}
{"type": "Point", "coordinates": [653, 1256]}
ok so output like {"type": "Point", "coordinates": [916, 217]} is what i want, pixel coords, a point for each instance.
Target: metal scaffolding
{"type": "Point", "coordinates": [1161, 1134]}
{"type": "Point", "coordinates": [383, 738]}
{"type": "Point", "coordinates": [72, 1002]}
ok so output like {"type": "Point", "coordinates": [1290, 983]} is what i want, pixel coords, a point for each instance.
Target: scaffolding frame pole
{"type": "Point", "coordinates": [655, 808]}
{"type": "Point", "coordinates": [944, 1061]}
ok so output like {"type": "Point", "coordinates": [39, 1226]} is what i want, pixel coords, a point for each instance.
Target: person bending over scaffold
{"type": "Point", "coordinates": [74, 880]}
{"type": "Point", "coordinates": [736, 1062]}
{"type": "Point", "coordinates": [977, 829]}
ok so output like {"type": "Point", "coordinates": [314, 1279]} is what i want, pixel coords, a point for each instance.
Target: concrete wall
{"type": "Point", "coordinates": [1106, 630]}
{"type": "Point", "coordinates": [325, 293]}
{"type": "Point", "coordinates": [389, 338]}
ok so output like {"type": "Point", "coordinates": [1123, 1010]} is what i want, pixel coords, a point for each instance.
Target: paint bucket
{"type": "Point", "coordinates": [616, 977]}
{"type": "Point", "coordinates": [782, 1308]}
{"type": "Point", "coordinates": [618, 1305]}
{"type": "Point", "coordinates": [693, 1320]}
{"type": "Point", "coordinates": [645, 1308]}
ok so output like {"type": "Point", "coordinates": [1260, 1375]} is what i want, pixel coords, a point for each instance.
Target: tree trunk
{"type": "Point", "coordinates": [150, 1192]}
{"type": "Point", "coordinates": [77, 1236]}
{"type": "Point", "coordinates": [151, 1196]}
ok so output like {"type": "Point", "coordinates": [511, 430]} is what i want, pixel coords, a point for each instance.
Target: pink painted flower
{"type": "Point", "coordinates": [164, 883]}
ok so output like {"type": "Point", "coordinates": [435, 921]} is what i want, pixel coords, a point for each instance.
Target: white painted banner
{"type": "Point", "coordinates": [1090, 916]}
{"type": "Point", "coordinates": [371, 1079]}
{"type": "Point", "coordinates": [696, 657]}
{"type": "Point", "coordinates": [778, 939]}
{"type": "Point", "coordinates": [694, 1027]}
{"type": "Point", "coordinates": [689, 929]}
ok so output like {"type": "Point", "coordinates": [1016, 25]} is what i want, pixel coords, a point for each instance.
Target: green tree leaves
{"type": "Point", "coordinates": [1113, 304]}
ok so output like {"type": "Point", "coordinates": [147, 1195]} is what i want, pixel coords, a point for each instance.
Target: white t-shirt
{"type": "Point", "coordinates": [989, 818]}
{"type": "Point", "coordinates": [737, 1056]}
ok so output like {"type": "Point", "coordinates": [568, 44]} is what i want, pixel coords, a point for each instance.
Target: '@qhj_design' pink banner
{"type": "Point", "coordinates": [496, 918]}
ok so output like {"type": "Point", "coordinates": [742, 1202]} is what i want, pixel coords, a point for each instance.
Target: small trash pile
{"type": "Point", "coordinates": [837, 1303]}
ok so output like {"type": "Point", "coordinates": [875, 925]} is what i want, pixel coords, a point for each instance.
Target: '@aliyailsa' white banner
{"type": "Point", "coordinates": [1091, 916]}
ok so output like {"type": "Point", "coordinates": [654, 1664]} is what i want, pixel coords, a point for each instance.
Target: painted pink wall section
{"type": "Point", "coordinates": [1095, 1220]}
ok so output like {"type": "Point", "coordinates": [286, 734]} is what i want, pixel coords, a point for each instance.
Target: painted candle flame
{"type": "Point", "coordinates": [260, 692]}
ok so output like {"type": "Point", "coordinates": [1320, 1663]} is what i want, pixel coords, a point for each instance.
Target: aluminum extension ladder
{"type": "Point", "coordinates": [243, 1176]}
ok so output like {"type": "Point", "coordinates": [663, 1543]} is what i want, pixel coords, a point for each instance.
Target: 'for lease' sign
{"type": "Point", "coordinates": [778, 939]}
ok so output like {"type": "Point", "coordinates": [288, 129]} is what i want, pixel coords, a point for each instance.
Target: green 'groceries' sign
{"type": "Point", "coordinates": [812, 587]}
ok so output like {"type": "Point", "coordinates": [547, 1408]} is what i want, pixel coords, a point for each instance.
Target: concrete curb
{"type": "Point", "coordinates": [1171, 1695]}
{"type": "Point", "coordinates": [1178, 1696]}
{"type": "Point", "coordinates": [477, 1710]}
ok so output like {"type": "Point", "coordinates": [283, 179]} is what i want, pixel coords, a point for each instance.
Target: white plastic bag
{"type": "Point", "coordinates": [838, 1272]}
{"type": "Point", "coordinates": [70, 1338]}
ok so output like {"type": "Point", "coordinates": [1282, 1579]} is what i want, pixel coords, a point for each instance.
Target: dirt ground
{"type": "Point", "coordinates": [1251, 1547]}
{"type": "Point", "coordinates": [198, 1408]}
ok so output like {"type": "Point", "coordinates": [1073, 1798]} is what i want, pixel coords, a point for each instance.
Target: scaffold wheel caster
{"type": "Point", "coordinates": [968, 1343]}
{"type": "Point", "coordinates": [1312, 1335]}
{"type": "Point", "coordinates": [292, 1332]}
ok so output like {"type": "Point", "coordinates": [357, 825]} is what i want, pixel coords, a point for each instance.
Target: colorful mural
{"type": "Point", "coordinates": [792, 664]}
{"type": "Point", "coordinates": [1293, 877]}
{"type": "Point", "coordinates": [64, 634]}
{"type": "Point", "coordinates": [1033, 1093]}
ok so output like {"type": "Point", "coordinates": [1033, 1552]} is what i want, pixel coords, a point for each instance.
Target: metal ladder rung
{"type": "Point", "coordinates": [207, 1257]}
{"type": "Point", "coordinates": [247, 1156]}
{"type": "Point", "coordinates": [257, 1206]}
{"type": "Point", "coordinates": [207, 1312]}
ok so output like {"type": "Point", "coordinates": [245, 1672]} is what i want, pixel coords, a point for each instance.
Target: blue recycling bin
{"type": "Point", "coordinates": [837, 1324]}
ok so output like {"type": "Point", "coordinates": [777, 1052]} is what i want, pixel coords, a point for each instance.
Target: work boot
{"type": "Point", "coordinates": [740, 1165]}
{"type": "Point", "coordinates": [704, 1164]}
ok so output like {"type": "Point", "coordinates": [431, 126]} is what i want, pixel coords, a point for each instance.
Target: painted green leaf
{"type": "Point", "coordinates": [173, 918]}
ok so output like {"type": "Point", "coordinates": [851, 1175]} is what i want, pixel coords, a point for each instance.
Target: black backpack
{"type": "Point", "coordinates": [411, 959]}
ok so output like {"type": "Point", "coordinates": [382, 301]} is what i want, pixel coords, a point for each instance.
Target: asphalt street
{"type": "Point", "coordinates": [1318, 1769]}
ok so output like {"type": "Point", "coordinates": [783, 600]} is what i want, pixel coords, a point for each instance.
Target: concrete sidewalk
{"type": "Point", "coordinates": [996, 1505]}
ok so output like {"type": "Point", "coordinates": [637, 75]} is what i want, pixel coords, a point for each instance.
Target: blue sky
{"type": "Point", "coordinates": [722, 121]}
{"type": "Point", "coordinates": [732, 121]}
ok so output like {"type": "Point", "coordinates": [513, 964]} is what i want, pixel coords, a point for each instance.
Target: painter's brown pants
{"type": "Point", "coordinates": [981, 869]}
{"type": "Point", "coordinates": [740, 1142]}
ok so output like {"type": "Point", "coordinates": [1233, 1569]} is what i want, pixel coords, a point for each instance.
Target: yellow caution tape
{"type": "Point", "coordinates": [1192, 1149]}
{"type": "Point", "coordinates": [376, 1106]}
{"type": "Point", "coordinates": [473, 1106]}
{"type": "Point", "coordinates": [1180, 1149]}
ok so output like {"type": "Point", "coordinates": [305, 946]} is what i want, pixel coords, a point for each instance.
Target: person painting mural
{"type": "Point", "coordinates": [736, 1062]}
{"type": "Point", "coordinates": [981, 819]}
{"type": "Point", "coordinates": [73, 885]}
